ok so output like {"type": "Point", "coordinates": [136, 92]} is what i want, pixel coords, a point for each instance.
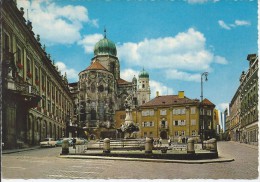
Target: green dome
{"type": "Point", "coordinates": [144, 74]}
{"type": "Point", "coordinates": [105, 47]}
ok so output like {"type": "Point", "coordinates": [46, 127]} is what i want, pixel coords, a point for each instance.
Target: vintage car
{"type": "Point", "coordinates": [60, 140]}
{"type": "Point", "coordinates": [48, 142]}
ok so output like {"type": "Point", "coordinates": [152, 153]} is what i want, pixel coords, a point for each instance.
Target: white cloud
{"type": "Point", "coordinates": [179, 75]}
{"type": "Point", "coordinates": [220, 60]}
{"type": "Point", "coordinates": [160, 87]}
{"type": "Point", "coordinates": [201, 1]}
{"type": "Point", "coordinates": [128, 74]}
{"type": "Point", "coordinates": [185, 51]}
{"type": "Point", "coordinates": [56, 24]}
{"type": "Point", "coordinates": [242, 23]}
{"type": "Point", "coordinates": [89, 41]}
{"type": "Point", "coordinates": [72, 75]}
{"type": "Point", "coordinates": [236, 23]}
{"type": "Point", "coordinates": [223, 25]}
{"type": "Point", "coordinates": [222, 106]}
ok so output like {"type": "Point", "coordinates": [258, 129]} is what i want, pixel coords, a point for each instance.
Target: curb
{"type": "Point", "coordinates": [221, 159]}
{"type": "Point", "coordinates": [18, 150]}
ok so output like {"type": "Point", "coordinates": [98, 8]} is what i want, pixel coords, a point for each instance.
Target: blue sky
{"type": "Point", "coordinates": [175, 41]}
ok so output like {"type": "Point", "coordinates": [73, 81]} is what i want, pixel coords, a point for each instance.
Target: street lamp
{"type": "Point", "coordinates": [205, 74]}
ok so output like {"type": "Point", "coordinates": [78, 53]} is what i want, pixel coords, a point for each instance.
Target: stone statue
{"type": "Point", "coordinates": [129, 126]}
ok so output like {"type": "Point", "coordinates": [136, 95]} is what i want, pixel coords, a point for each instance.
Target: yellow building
{"type": "Point", "coordinates": [170, 116]}
{"type": "Point", "coordinates": [216, 125]}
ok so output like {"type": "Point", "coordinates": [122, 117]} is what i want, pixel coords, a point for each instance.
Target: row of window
{"type": "Point", "coordinates": [38, 78]}
{"type": "Point", "coordinates": [205, 112]}
{"type": "Point", "coordinates": [163, 112]}
{"type": "Point", "coordinates": [249, 118]}
{"type": "Point", "coordinates": [175, 123]}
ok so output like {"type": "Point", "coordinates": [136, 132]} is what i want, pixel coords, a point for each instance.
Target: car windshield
{"type": "Point", "coordinates": [46, 139]}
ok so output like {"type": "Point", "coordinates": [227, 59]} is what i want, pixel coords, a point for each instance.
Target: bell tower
{"type": "Point", "coordinates": [143, 90]}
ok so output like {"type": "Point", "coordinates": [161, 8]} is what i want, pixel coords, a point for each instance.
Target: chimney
{"type": "Point", "coordinates": [181, 94]}
{"type": "Point", "coordinates": [157, 93]}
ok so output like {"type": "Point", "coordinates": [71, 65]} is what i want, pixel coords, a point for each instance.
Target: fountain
{"type": "Point", "coordinates": [129, 127]}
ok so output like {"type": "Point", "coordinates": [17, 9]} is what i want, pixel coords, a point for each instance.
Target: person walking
{"type": "Point", "coordinates": [160, 141]}
{"type": "Point", "coordinates": [169, 141]}
{"type": "Point", "coordinates": [179, 139]}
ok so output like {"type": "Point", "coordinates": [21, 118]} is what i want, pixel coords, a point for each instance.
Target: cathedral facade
{"type": "Point", "coordinates": [102, 92]}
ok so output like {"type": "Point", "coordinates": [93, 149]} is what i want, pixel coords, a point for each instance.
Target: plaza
{"type": "Point", "coordinates": [46, 164]}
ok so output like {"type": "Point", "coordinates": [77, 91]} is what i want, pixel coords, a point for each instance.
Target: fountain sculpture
{"type": "Point", "coordinates": [129, 127]}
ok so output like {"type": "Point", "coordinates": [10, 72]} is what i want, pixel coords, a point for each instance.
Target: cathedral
{"type": "Point", "coordinates": [101, 92]}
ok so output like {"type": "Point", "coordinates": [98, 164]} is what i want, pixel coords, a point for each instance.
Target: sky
{"type": "Point", "coordinates": [175, 41]}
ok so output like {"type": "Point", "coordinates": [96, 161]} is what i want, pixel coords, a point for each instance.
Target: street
{"type": "Point", "coordinates": [45, 164]}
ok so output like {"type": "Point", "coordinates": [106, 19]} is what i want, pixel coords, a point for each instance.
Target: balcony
{"type": "Point", "coordinates": [15, 89]}
{"type": "Point", "coordinates": [24, 92]}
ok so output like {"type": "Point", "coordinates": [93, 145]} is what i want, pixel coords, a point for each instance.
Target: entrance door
{"type": "Point", "coordinates": [163, 135]}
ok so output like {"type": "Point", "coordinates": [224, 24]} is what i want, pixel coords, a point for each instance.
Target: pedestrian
{"type": "Point", "coordinates": [160, 141]}
{"type": "Point", "coordinates": [152, 140]}
{"type": "Point", "coordinates": [169, 142]}
{"type": "Point", "coordinates": [179, 139]}
{"type": "Point", "coordinates": [183, 140]}
{"type": "Point", "coordinates": [155, 142]}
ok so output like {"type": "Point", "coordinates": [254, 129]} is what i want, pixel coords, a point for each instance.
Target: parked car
{"type": "Point", "coordinates": [48, 142]}
{"type": "Point", "coordinates": [60, 140]}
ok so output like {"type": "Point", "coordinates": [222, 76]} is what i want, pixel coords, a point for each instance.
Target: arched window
{"type": "Point", "coordinates": [112, 67]}
{"type": "Point", "coordinates": [93, 87]}
{"type": "Point", "coordinates": [101, 88]}
{"type": "Point", "coordinates": [50, 130]}
{"type": "Point", "coordinates": [93, 114]}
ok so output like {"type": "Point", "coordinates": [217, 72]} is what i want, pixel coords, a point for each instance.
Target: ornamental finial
{"type": "Point", "coordinates": [105, 32]}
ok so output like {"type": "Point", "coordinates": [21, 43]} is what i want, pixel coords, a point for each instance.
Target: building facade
{"type": "Point", "coordinates": [170, 116]}
{"type": "Point", "coordinates": [234, 117]}
{"type": "Point", "coordinates": [249, 102]}
{"type": "Point", "coordinates": [206, 120]}
{"type": "Point", "coordinates": [216, 123]}
{"type": "Point", "coordinates": [242, 120]}
{"type": "Point", "coordinates": [36, 100]}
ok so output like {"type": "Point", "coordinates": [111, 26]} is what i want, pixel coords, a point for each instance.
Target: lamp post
{"type": "Point", "coordinates": [205, 74]}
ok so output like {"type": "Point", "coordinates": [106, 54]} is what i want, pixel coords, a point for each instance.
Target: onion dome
{"type": "Point", "coordinates": [105, 47]}
{"type": "Point", "coordinates": [144, 74]}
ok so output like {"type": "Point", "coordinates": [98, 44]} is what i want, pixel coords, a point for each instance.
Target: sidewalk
{"type": "Point", "coordinates": [218, 160]}
{"type": "Point", "coordinates": [246, 145]}
{"type": "Point", "coordinates": [10, 151]}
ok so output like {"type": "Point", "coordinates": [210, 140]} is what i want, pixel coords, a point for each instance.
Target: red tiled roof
{"type": "Point", "coordinates": [96, 66]}
{"type": "Point", "coordinates": [207, 102]}
{"type": "Point", "coordinates": [169, 100]}
{"type": "Point", "coordinates": [120, 81]}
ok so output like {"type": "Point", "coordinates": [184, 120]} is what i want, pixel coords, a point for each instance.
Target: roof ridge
{"type": "Point", "coordinates": [96, 66]}
{"type": "Point", "coordinates": [168, 100]}
{"type": "Point", "coordinates": [122, 81]}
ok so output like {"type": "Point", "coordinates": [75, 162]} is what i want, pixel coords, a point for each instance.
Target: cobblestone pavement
{"type": "Point", "coordinates": [45, 164]}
